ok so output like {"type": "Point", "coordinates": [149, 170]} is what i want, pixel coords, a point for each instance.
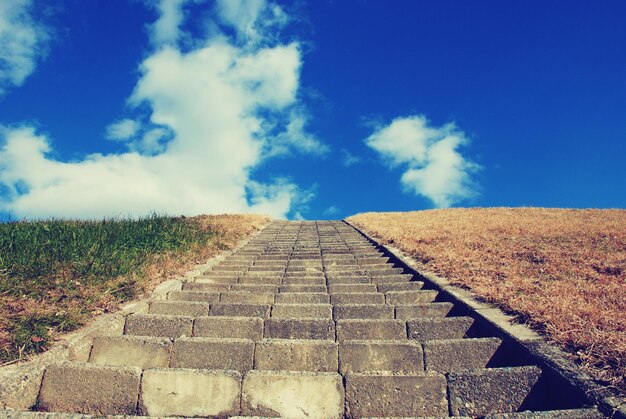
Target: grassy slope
{"type": "Point", "coordinates": [563, 271]}
{"type": "Point", "coordinates": [56, 275]}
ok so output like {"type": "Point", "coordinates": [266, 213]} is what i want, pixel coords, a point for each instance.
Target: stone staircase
{"type": "Point", "coordinates": [309, 319]}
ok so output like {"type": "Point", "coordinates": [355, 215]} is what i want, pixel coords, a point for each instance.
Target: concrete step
{"type": "Point", "coordinates": [461, 354]}
{"type": "Point", "coordinates": [584, 413]}
{"type": "Point", "coordinates": [293, 394]}
{"type": "Point", "coordinates": [179, 308]}
{"type": "Point", "coordinates": [357, 298]}
{"type": "Point", "coordinates": [203, 286]}
{"type": "Point", "coordinates": [343, 288]}
{"type": "Point", "coordinates": [158, 325]}
{"type": "Point", "coordinates": [321, 329]}
{"type": "Point", "coordinates": [405, 395]}
{"type": "Point", "coordinates": [439, 328]}
{"type": "Point", "coordinates": [135, 351]}
{"type": "Point", "coordinates": [210, 353]}
{"type": "Point", "coordinates": [376, 355]}
{"type": "Point", "coordinates": [226, 327]}
{"type": "Point", "coordinates": [89, 388]}
{"type": "Point", "coordinates": [215, 279]}
{"type": "Point", "coordinates": [246, 297]}
{"type": "Point", "coordinates": [302, 298]}
{"type": "Point", "coordinates": [302, 311]}
{"type": "Point", "coordinates": [174, 392]}
{"type": "Point", "coordinates": [296, 355]}
{"type": "Point", "coordinates": [240, 310]}
{"type": "Point", "coordinates": [315, 288]}
{"type": "Point", "coordinates": [418, 311]}
{"type": "Point", "coordinates": [400, 286]}
{"type": "Point", "coordinates": [255, 288]}
{"type": "Point", "coordinates": [371, 330]}
{"type": "Point", "coordinates": [410, 297]}
{"type": "Point", "coordinates": [362, 311]}
{"type": "Point", "coordinates": [493, 390]}
{"type": "Point", "coordinates": [202, 296]}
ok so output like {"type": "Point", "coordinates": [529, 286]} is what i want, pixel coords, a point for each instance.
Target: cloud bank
{"type": "Point", "coordinates": [23, 42]}
{"type": "Point", "coordinates": [433, 166]}
{"type": "Point", "coordinates": [200, 120]}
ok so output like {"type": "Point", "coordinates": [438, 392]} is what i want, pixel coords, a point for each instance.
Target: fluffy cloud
{"type": "Point", "coordinates": [433, 165]}
{"type": "Point", "coordinates": [215, 113]}
{"type": "Point", "coordinates": [22, 42]}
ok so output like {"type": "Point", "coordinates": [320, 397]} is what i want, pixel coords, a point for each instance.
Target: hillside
{"type": "Point", "coordinates": [562, 271]}
{"type": "Point", "coordinates": [57, 275]}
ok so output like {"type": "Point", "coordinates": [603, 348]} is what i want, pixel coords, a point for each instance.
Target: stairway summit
{"type": "Point", "coordinates": [308, 319]}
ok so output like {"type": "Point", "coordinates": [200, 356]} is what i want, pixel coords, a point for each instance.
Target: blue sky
{"type": "Point", "coordinates": [312, 109]}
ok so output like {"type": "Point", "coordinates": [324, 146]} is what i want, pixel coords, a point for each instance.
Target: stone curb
{"type": "Point", "coordinates": [20, 382]}
{"type": "Point", "coordinates": [548, 356]}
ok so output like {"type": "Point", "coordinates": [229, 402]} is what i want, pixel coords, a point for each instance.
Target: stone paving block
{"type": "Point", "coordinates": [302, 298]}
{"type": "Point", "coordinates": [370, 330]}
{"type": "Point", "coordinates": [210, 353]}
{"type": "Point", "coordinates": [203, 286]}
{"type": "Point", "coordinates": [387, 270]}
{"type": "Point", "coordinates": [346, 288]}
{"type": "Point", "coordinates": [372, 260]}
{"type": "Point", "coordinates": [348, 280]}
{"type": "Point", "coordinates": [300, 329]}
{"type": "Point", "coordinates": [214, 279]}
{"type": "Point", "coordinates": [315, 288]}
{"type": "Point", "coordinates": [400, 286]}
{"type": "Point", "coordinates": [292, 394]}
{"type": "Point", "coordinates": [362, 311]}
{"type": "Point", "coordinates": [357, 298]}
{"type": "Point", "coordinates": [439, 328]}
{"type": "Point", "coordinates": [240, 310]}
{"type": "Point", "coordinates": [583, 413]}
{"type": "Point", "coordinates": [142, 352]}
{"type": "Point", "coordinates": [271, 280]}
{"type": "Point", "coordinates": [179, 308]}
{"type": "Point", "coordinates": [375, 355]}
{"type": "Point", "coordinates": [311, 280]}
{"type": "Point", "coordinates": [255, 288]}
{"type": "Point", "coordinates": [247, 297]}
{"type": "Point", "coordinates": [410, 297]}
{"type": "Point", "coordinates": [175, 392]}
{"type": "Point", "coordinates": [386, 394]}
{"type": "Point", "coordinates": [158, 325]}
{"type": "Point", "coordinates": [459, 354]}
{"type": "Point", "coordinates": [302, 311]}
{"type": "Point", "coordinates": [417, 311]}
{"type": "Point", "coordinates": [229, 327]}
{"type": "Point", "coordinates": [296, 355]}
{"type": "Point", "coordinates": [389, 279]}
{"type": "Point", "coordinates": [201, 296]}
{"type": "Point", "coordinates": [90, 388]}
{"type": "Point", "coordinates": [491, 390]}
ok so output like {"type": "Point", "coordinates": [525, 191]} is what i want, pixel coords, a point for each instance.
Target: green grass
{"type": "Point", "coordinates": [68, 266]}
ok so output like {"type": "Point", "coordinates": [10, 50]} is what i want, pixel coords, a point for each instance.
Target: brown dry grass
{"type": "Point", "coordinates": [562, 271]}
{"type": "Point", "coordinates": [90, 300]}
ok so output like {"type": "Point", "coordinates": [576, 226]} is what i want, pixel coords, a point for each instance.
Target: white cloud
{"type": "Point", "coordinates": [434, 167]}
{"type": "Point", "coordinates": [332, 211]}
{"type": "Point", "coordinates": [213, 111]}
{"type": "Point", "coordinates": [166, 30]}
{"type": "Point", "coordinates": [252, 20]}
{"type": "Point", "coordinates": [23, 41]}
{"type": "Point", "coordinates": [122, 130]}
{"type": "Point", "coordinates": [349, 159]}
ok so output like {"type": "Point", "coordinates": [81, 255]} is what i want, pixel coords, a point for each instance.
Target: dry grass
{"type": "Point", "coordinates": [36, 309]}
{"type": "Point", "coordinates": [562, 271]}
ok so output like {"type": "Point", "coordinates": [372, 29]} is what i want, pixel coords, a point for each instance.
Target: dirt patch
{"type": "Point", "coordinates": [561, 271]}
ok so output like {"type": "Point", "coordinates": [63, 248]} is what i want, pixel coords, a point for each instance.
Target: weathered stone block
{"type": "Point", "coordinates": [142, 352]}
{"type": "Point", "coordinates": [375, 355]}
{"type": "Point", "coordinates": [459, 354]}
{"type": "Point", "coordinates": [314, 288]}
{"type": "Point", "coordinates": [158, 325]}
{"type": "Point", "coordinates": [358, 298]}
{"type": "Point", "coordinates": [89, 388]}
{"type": "Point", "coordinates": [439, 328]}
{"type": "Point", "coordinates": [400, 286]}
{"type": "Point", "coordinates": [209, 353]}
{"type": "Point", "coordinates": [229, 327]}
{"type": "Point", "coordinates": [255, 288]}
{"type": "Point", "coordinates": [206, 287]}
{"type": "Point", "coordinates": [202, 296]}
{"type": "Point", "coordinates": [300, 329]}
{"type": "Point", "coordinates": [179, 308]}
{"type": "Point", "coordinates": [363, 311]}
{"type": "Point", "coordinates": [240, 310]}
{"type": "Point", "coordinates": [418, 311]}
{"type": "Point", "coordinates": [293, 394]}
{"type": "Point", "coordinates": [296, 355]}
{"type": "Point", "coordinates": [180, 392]}
{"type": "Point", "coordinates": [302, 298]}
{"type": "Point", "coordinates": [247, 297]}
{"type": "Point", "coordinates": [410, 297]}
{"type": "Point", "coordinates": [344, 288]}
{"type": "Point", "coordinates": [386, 394]}
{"type": "Point", "coordinates": [370, 330]}
{"type": "Point", "coordinates": [302, 311]}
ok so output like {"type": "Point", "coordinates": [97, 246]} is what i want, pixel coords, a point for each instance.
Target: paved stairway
{"type": "Point", "coordinates": [308, 319]}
